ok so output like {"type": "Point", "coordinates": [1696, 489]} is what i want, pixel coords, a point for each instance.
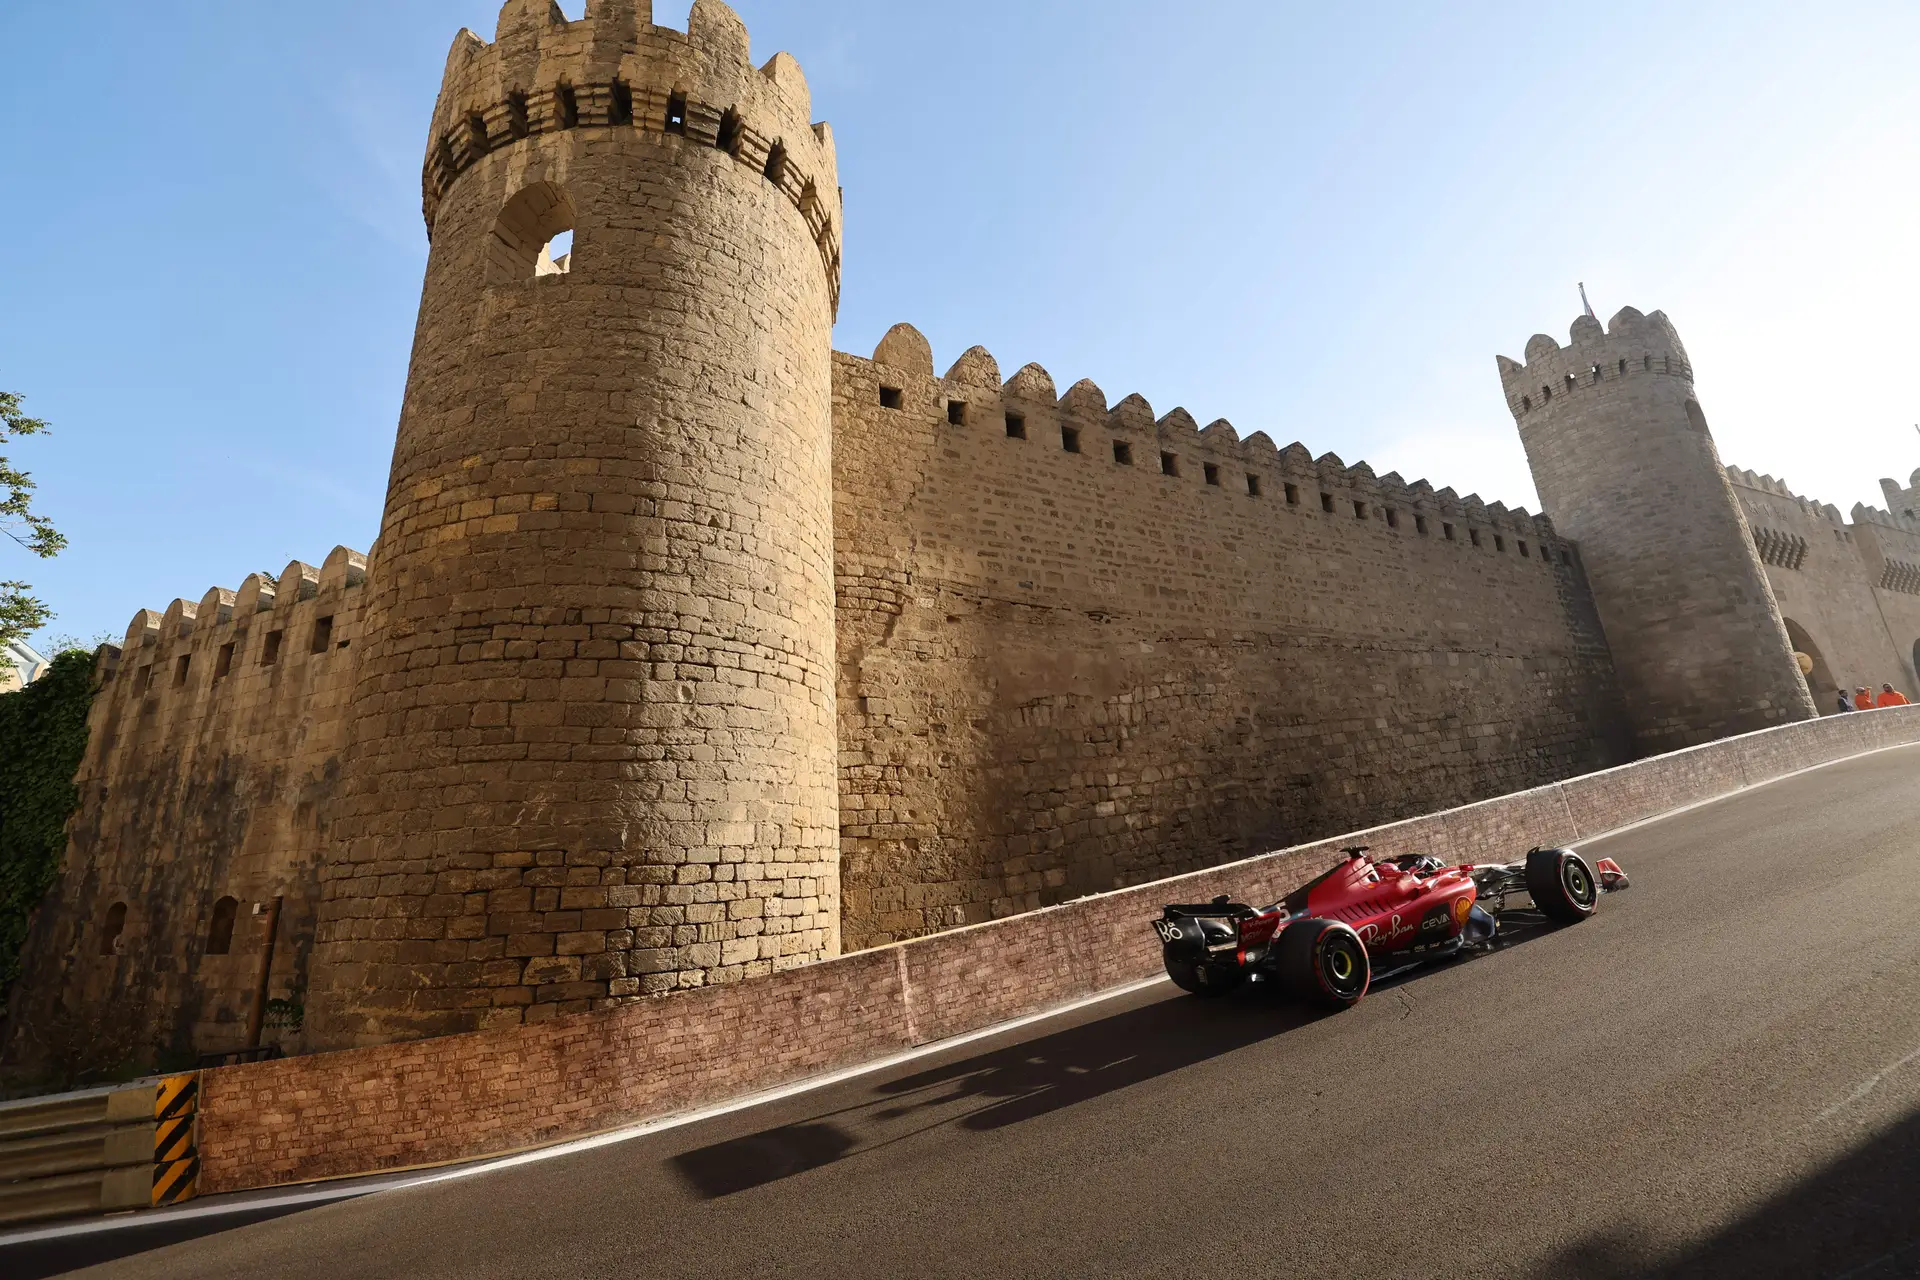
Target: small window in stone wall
{"type": "Point", "coordinates": [220, 928]}
{"type": "Point", "coordinates": [533, 236]}
{"type": "Point", "coordinates": [1695, 418]}
{"type": "Point", "coordinates": [223, 663]}
{"type": "Point", "coordinates": [1359, 510]}
{"type": "Point", "coordinates": [1523, 548]}
{"type": "Point", "coordinates": [270, 653]}
{"type": "Point", "coordinates": [1016, 427]}
{"type": "Point", "coordinates": [1210, 473]}
{"type": "Point", "coordinates": [1446, 531]}
{"type": "Point", "coordinates": [890, 398]}
{"type": "Point", "coordinates": [957, 412]}
{"type": "Point", "coordinates": [1293, 494]}
{"type": "Point", "coordinates": [620, 109]}
{"type": "Point", "coordinates": [181, 665]}
{"type": "Point", "coordinates": [1499, 543]}
{"type": "Point", "coordinates": [322, 634]}
{"type": "Point", "coordinates": [111, 929]}
{"type": "Point", "coordinates": [1473, 536]}
{"type": "Point", "coordinates": [1393, 518]}
{"type": "Point", "coordinates": [728, 136]}
{"type": "Point", "coordinates": [776, 170]}
{"type": "Point", "coordinates": [1326, 503]}
{"type": "Point", "coordinates": [145, 680]}
{"type": "Point", "coordinates": [1123, 453]}
{"type": "Point", "coordinates": [1253, 485]}
{"type": "Point", "coordinates": [1420, 525]}
{"type": "Point", "coordinates": [1070, 439]}
{"type": "Point", "coordinates": [1169, 465]}
{"type": "Point", "coordinates": [677, 113]}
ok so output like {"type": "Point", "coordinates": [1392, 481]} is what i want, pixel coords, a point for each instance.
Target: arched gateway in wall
{"type": "Point", "coordinates": [1820, 681]}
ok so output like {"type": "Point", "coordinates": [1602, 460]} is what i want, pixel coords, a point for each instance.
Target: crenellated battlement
{"type": "Point", "coordinates": [971, 393]}
{"type": "Point", "coordinates": [1813, 510]}
{"type": "Point", "coordinates": [614, 69]}
{"type": "Point", "coordinates": [222, 608]}
{"type": "Point", "coordinates": [1632, 345]}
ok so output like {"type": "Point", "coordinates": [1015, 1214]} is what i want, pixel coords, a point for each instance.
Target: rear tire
{"type": "Point", "coordinates": [1323, 962]}
{"type": "Point", "coordinates": [1203, 980]}
{"type": "Point", "coordinates": [1562, 885]}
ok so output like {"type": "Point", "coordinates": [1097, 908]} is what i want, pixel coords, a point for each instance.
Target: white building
{"type": "Point", "coordinates": [19, 666]}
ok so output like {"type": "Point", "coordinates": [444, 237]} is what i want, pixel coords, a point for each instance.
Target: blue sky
{"type": "Point", "coordinates": [1320, 221]}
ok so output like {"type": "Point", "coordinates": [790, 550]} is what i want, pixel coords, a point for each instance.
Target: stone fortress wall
{"type": "Point", "coordinates": [212, 766]}
{"type": "Point", "coordinates": [1848, 591]}
{"type": "Point", "coordinates": [691, 650]}
{"type": "Point", "coordinates": [1082, 647]}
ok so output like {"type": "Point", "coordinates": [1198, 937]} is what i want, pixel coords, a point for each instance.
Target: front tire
{"type": "Point", "coordinates": [1202, 979]}
{"type": "Point", "coordinates": [1562, 885]}
{"type": "Point", "coordinates": [1323, 962]}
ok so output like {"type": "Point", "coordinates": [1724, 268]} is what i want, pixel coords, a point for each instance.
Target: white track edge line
{"type": "Point", "coordinates": [373, 1184]}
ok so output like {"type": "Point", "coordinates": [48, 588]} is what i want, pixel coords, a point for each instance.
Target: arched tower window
{"type": "Point", "coordinates": [523, 244]}
{"type": "Point", "coordinates": [110, 931]}
{"type": "Point", "coordinates": [220, 929]}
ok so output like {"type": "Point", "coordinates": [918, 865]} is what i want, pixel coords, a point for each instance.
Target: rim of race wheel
{"type": "Point", "coordinates": [1343, 965]}
{"type": "Point", "coordinates": [1579, 883]}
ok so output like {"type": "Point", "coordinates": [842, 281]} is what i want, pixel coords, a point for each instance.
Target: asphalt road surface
{"type": "Point", "coordinates": [1719, 1074]}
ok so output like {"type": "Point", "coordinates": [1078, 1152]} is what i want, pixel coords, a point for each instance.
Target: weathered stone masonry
{"type": "Point", "coordinates": [691, 650]}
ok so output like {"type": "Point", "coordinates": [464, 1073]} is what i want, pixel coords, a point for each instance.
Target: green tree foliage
{"type": "Point", "coordinates": [43, 733]}
{"type": "Point", "coordinates": [21, 613]}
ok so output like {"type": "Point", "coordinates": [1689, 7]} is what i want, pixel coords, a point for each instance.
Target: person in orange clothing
{"type": "Point", "coordinates": [1863, 699]}
{"type": "Point", "coordinates": [1890, 697]}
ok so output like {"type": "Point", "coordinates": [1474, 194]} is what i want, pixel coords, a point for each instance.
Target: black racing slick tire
{"type": "Point", "coordinates": [1203, 979]}
{"type": "Point", "coordinates": [1562, 885]}
{"type": "Point", "coordinates": [1323, 962]}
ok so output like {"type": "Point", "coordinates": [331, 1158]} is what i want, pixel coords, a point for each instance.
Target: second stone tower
{"type": "Point", "coordinates": [593, 749]}
{"type": "Point", "coordinates": [1626, 467]}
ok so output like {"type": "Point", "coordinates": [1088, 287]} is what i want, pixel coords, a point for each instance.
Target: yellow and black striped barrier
{"type": "Point", "coordinates": [176, 1149]}
{"type": "Point", "coordinates": [100, 1150]}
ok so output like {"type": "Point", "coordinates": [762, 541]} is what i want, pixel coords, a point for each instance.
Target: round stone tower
{"type": "Point", "coordinates": [1625, 466]}
{"type": "Point", "coordinates": [592, 745]}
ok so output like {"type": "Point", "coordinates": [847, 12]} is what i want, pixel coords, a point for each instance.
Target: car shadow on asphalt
{"type": "Point", "coordinates": [1854, 1219]}
{"type": "Point", "coordinates": [1022, 1081]}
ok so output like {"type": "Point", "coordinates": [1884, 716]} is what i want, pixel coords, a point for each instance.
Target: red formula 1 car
{"type": "Point", "coordinates": [1362, 920]}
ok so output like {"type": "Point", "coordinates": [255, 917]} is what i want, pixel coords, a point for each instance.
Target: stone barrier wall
{"type": "Point", "coordinates": [482, 1093]}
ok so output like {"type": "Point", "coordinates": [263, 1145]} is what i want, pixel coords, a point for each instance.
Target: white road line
{"type": "Point", "coordinates": [1867, 1086]}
